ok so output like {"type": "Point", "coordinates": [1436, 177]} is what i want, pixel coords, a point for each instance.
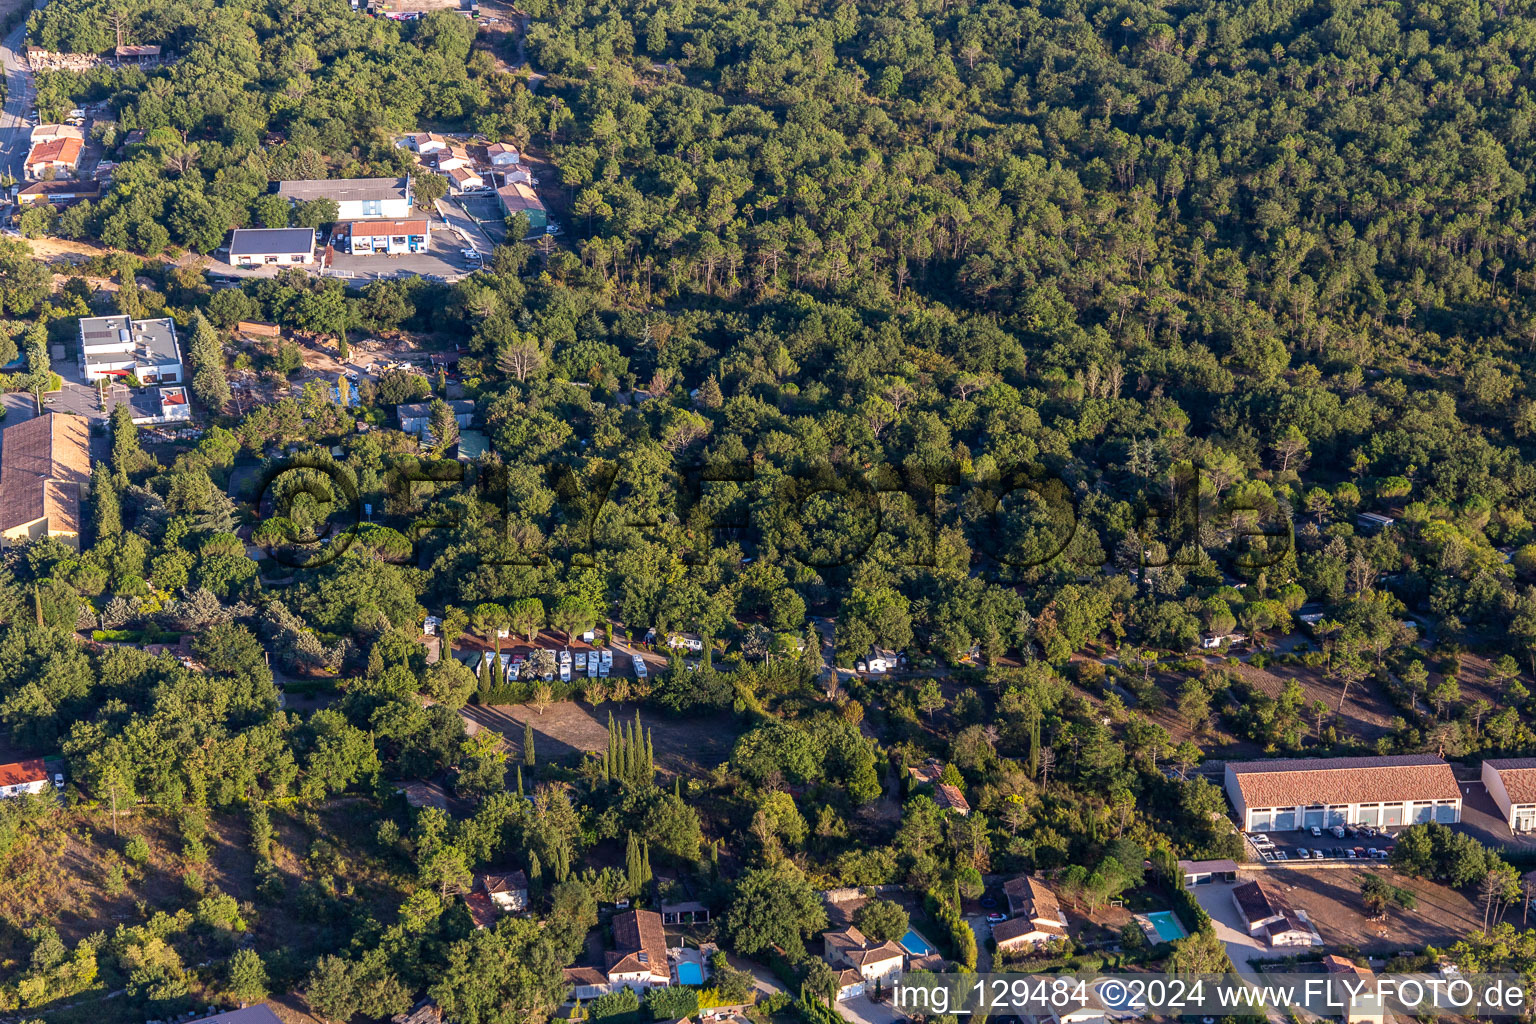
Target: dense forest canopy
{"type": "Point", "coordinates": [1038, 341]}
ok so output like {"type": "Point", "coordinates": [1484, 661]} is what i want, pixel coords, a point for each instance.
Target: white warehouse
{"type": "Point", "coordinates": [1282, 795]}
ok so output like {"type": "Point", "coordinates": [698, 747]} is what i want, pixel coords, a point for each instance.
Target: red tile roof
{"type": "Point", "coordinates": [384, 228]}
{"type": "Point", "coordinates": [640, 944]}
{"type": "Point", "coordinates": [19, 773]}
{"type": "Point", "coordinates": [1344, 780]}
{"type": "Point", "coordinates": [56, 151]}
{"type": "Point", "coordinates": [1519, 777]}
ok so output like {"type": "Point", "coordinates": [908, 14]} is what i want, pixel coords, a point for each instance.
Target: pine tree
{"type": "Point", "coordinates": [528, 758]}
{"type": "Point", "coordinates": [107, 510]}
{"type": "Point", "coordinates": [709, 393]}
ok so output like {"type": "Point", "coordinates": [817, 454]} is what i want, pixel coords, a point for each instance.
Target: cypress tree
{"type": "Point", "coordinates": [519, 780]}
{"type": "Point", "coordinates": [528, 758]}
{"type": "Point", "coordinates": [108, 511]}
{"type": "Point", "coordinates": [535, 869]}
{"type": "Point", "coordinates": [650, 761]}
{"type": "Point", "coordinates": [645, 855]}
{"type": "Point", "coordinates": [632, 864]}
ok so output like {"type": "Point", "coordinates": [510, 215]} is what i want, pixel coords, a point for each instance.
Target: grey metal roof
{"type": "Point", "coordinates": [271, 241]}
{"type": "Point", "coordinates": [345, 189]}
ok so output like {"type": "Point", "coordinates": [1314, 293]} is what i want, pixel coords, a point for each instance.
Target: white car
{"type": "Point", "coordinates": [58, 780]}
{"type": "Point", "coordinates": [471, 254]}
{"type": "Point", "coordinates": [553, 228]}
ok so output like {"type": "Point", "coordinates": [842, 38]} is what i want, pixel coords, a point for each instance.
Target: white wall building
{"type": "Point", "coordinates": [114, 346]}
{"type": "Point", "coordinates": [355, 198]}
{"type": "Point", "coordinates": [1388, 791]}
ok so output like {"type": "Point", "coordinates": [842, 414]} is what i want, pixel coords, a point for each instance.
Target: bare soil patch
{"type": "Point", "coordinates": [1332, 900]}
{"type": "Point", "coordinates": [682, 746]}
{"type": "Point", "coordinates": [1367, 714]}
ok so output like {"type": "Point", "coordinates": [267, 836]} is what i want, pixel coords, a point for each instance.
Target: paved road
{"type": "Point", "coordinates": [15, 130]}
{"type": "Point", "coordinates": [461, 222]}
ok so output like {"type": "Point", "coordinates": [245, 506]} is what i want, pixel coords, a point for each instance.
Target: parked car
{"type": "Point", "coordinates": [553, 228]}
{"type": "Point", "coordinates": [58, 780]}
{"type": "Point", "coordinates": [1338, 831]}
{"type": "Point", "coordinates": [1374, 854]}
{"type": "Point", "coordinates": [1316, 831]}
{"type": "Point", "coordinates": [1317, 854]}
{"type": "Point", "coordinates": [1303, 853]}
{"type": "Point", "coordinates": [996, 918]}
{"type": "Point", "coordinates": [1351, 855]}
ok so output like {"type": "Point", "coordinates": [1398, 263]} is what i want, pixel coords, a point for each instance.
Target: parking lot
{"type": "Point", "coordinates": [1288, 846]}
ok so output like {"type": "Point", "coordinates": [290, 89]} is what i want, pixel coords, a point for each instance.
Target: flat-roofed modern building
{"type": "Point", "coordinates": [1388, 791]}
{"type": "Point", "coordinates": [115, 346]}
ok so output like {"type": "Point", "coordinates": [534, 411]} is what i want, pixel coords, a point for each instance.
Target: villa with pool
{"type": "Point", "coordinates": [1036, 917]}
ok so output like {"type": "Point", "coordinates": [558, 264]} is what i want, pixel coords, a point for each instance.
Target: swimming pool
{"type": "Point", "coordinates": [690, 973]}
{"type": "Point", "coordinates": [1167, 925]}
{"type": "Point", "coordinates": [915, 944]}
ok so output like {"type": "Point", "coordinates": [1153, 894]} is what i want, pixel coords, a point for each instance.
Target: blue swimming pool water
{"type": "Point", "coordinates": [690, 973]}
{"type": "Point", "coordinates": [1167, 925]}
{"type": "Point", "coordinates": [915, 944]}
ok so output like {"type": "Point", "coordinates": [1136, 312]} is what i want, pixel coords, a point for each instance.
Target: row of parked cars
{"type": "Point", "coordinates": [1268, 851]}
{"type": "Point", "coordinates": [596, 664]}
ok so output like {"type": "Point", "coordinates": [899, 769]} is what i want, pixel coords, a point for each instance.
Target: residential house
{"type": "Point", "coordinates": [53, 132]}
{"type": "Point", "coordinates": [518, 173]}
{"type": "Point", "coordinates": [1359, 988]}
{"type": "Point", "coordinates": [271, 247]}
{"type": "Point", "coordinates": [1512, 784]}
{"type": "Point", "coordinates": [1373, 522]}
{"type": "Point", "coordinates": [878, 963]}
{"type": "Point", "coordinates": [481, 910]}
{"type": "Point", "coordinates": [502, 155]}
{"type": "Point", "coordinates": [423, 143]}
{"type": "Point", "coordinates": [587, 982]}
{"type": "Point", "coordinates": [57, 158]}
{"type": "Point", "coordinates": [949, 798]}
{"type": "Point", "coordinates": [517, 197]}
{"type": "Point", "coordinates": [355, 198]}
{"type": "Point", "coordinates": [879, 661]}
{"type": "Point", "coordinates": [45, 467]}
{"type": "Point", "coordinates": [115, 346]}
{"type": "Point", "coordinates": [366, 237]}
{"type": "Point", "coordinates": [1269, 915]}
{"type": "Point", "coordinates": [148, 53]}
{"type": "Point", "coordinates": [684, 912]}
{"type": "Point", "coordinates": [850, 984]}
{"type": "Point", "coordinates": [926, 774]}
{"type": "Point", "coordinates": [509, 891]}
{"type": "Point", "coordinates": [260, 1013]}
{"type": "Point", "coordinates": [416, 418]}
{"type": "Point", "coordinates": [453, 156]}
{"type": "Point", "coordinates": [1204, 872]}
{"type": "Point", "coordinates": [638, 959]}
{"type": "Point", "coordinates": [462, 179]}
{"type": "Point", "coordinates": [21, 777]}
{"type": "Point", "coordinates": [61, 192]}
{"type": "Point", "coordinates": [1398, 789]}
{"type": "Point", "coordinates": [1035, 916]}
{"type": "Point", "coordinates": [424, 1012]}
{"type": "Point", "coordinates": [163, 405]}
